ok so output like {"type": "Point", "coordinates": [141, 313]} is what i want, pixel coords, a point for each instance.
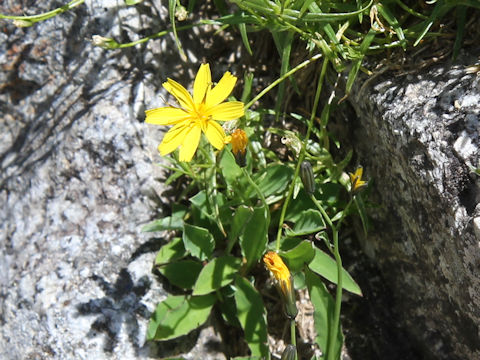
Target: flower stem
{"type": "Point", "coordinates": [293, 337]}
{"type": "Point", "coordinates": [302, 151]}
{"type": "Point", "coordinates": [44, 16]}
{"type": "Point", "coordinates": [259, 193]}
{"type": "Point", "coordinates": [280, 79]}
{"type": "Point", "coordinates": [334, 329]}
{"type": "Point", "coordinates": [232, 242]}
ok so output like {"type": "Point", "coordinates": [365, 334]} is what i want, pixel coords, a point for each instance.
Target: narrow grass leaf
{"type": "Point", "coordinates": [461, 18]}
{"type": "Point", "coordinates": [357, 63]}
{"type": "Point", "coordinates": [242, 27]}
{"type": "Point", "coordinates": [393, 22]}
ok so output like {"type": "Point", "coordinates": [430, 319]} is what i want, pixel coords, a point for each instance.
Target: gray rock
{"type": "Point", "coordinates": [416, 137]}
{"type": "Point", "coordinates": [77, 184]}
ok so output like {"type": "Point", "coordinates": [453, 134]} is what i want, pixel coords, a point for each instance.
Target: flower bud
{"type": "Point", "coordinates": [23, 22]}
{"type": "Point", "coordinates": [104, 42]}
{"type": "Point", "coordinates": [239, 142]}
{"type": "Point", "coordinates": [289, 353]}
{"type": "Point", "coordinates": [308, 180]}
{"type": "Point", "coordinates": [281, 273]}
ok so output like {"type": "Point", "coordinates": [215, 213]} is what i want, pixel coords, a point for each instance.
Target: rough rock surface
{"type": "Point", "coordinates": [77, 183]}
{"type": "Point", "coordinates": [416, 136]}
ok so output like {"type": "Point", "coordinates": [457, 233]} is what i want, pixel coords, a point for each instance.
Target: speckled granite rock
{"type": "Point", "coordinates": [76, 185]}
{"type": "Point", "coordinates": [416, 135]}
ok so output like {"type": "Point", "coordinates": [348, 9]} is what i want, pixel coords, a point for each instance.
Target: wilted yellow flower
{"type": "Point", "coordinates": [356, 180]}
{"type": "Point", "coordinates": [196, 114]}
{"type": "Point", "coordinates": [281, 273]}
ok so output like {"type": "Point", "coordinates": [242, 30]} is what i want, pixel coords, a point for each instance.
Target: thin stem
{"type": "Point", "coordinates": [213, 178]}
{"type": "Point", "coordinates": [44, 16]}
{"type": "Point", "coordinates": [162, 33]}
{"type": "Point", "coordinates": [302, 152]}
{"type": "Point", "coordinates": [259, 193]}
{"type": "Point", "coordinates": [280, 79]}
{"type": "Point", "coordinates": [293, 337]}
{"type": "Point", "coordinates": [334, 329]}
{"type": "Point", "coordinates": [232, 242]}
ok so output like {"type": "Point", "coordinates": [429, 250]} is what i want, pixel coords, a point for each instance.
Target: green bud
{"type": "Point", "coordinates": [308, 180]}
{"type": "Point", "coordinates": [289, 352]}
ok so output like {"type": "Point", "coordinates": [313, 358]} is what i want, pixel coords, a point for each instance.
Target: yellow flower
{"type": "Point", "coordinates": [196, 114]}
{"type": "Point", "coordinates": [356, 180]}
{"type": "Point", "coordinates": [281, 273]}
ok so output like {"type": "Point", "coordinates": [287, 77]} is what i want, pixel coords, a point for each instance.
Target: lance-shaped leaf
{"type": "Point", "coordinates": [251, 314]}
{"type": "Point", "coordinates": [254, 238]}
{"type": "Point", "coordinates": [325, 266]}
{"type": "Point", "coordinates": [323, 314]}
{"type": "Point", "coordinates": [216, 274]}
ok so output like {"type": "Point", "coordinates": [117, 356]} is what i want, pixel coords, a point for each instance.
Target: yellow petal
{"type": "Point", "coordinates": [190, 143]}
{"type": "Point", "coordinates": [215, 135]}
{"type": "Point", "coordinates": [221, 91]}
{"type": "Point", "coordinates": [227, 111]}
{"type": "Point", "coordinates": [181, 94]}
{"type": "Point", "coordinates": [165, 116]}
{"type": "Point", "coordinates": [359, 172]}
{"type": "Point", "coordinates": [173, 139]}
{"type": "Point", "coordinates": [202, 84]}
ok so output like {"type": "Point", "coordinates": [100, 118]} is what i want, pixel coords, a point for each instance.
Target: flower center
{"type": "Point", "coordinates": [201, 118]}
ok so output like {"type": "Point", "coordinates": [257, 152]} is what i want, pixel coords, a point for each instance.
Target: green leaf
{"type": "Point", "coordinates": [243, 33]}
{"type": "Point", "coordinates": [324, 305]}
{"type": "Point", "coordinates": [216, 274]}
{"type": "Point", "coordinates": [310, 221]}
{"type": "Point", "coordinates": [357, 63]}
{"type": "Point", "coordinates": [392, 20]}
{"type": "Point", "coordinates": [228, 306]}
{"type": "Point", "coordinates": [300, 255]}
{"type": "Point", "coordinates": [132, 2]}
{"type": "Point", "coordinates": [362, 212]}
{"type": "Point", "coordinates": [242, 216]}
{"type": "Point", "coordinates": [230, 170]}
{"type": "Point", "coordinates": [275, 179]}
{"type": "Point", "coordinates": [178, 315]}
{"type": "Point", "coordinates": [325, 266]}
{"type": "Point", "coordinates": [171, 251]}
{"type": "Point", "coordinates": [166, 223]}
{"type": "Point", "coordinates": [251, 314]}
{"type": "Point", "coordinates": [173, 222]}
{"type": "Point", "coordinates": [254, 239]}
{"type": "Point", "coordinates": [198, 241]}
{"type": "Point", "coordinates": [182, 273]}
